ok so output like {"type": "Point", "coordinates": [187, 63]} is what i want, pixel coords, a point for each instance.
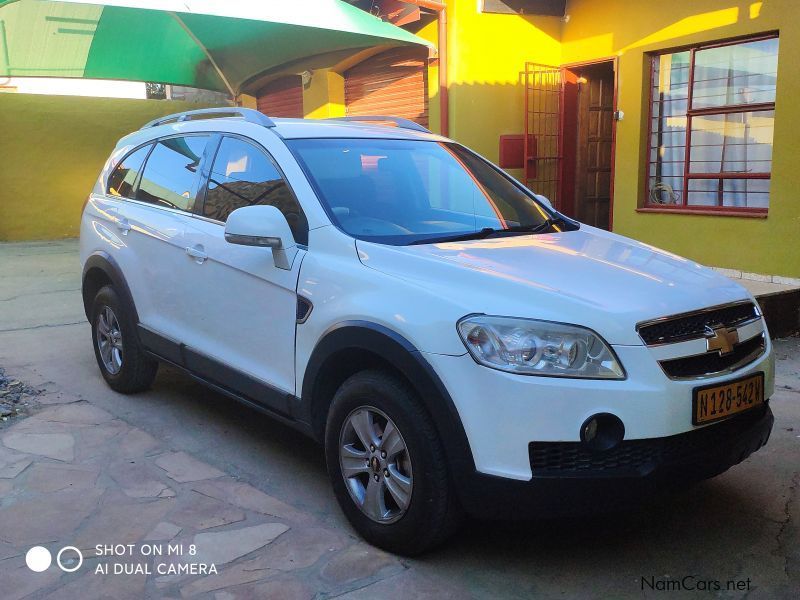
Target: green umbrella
{"type": "Point", "coordinates": [212, 44]}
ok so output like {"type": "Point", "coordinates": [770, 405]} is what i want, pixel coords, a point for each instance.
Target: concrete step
{"type": "Point", "coordinates": [780, 305]}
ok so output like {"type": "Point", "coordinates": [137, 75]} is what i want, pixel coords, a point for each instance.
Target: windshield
{"type": "Point", "coordinates": [414, 191]}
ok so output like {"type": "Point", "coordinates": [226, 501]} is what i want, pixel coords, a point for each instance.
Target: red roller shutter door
{"type": "Point", "coordinates": [391, 83]}
{"type": "Point", "coordinates": [282, 97]}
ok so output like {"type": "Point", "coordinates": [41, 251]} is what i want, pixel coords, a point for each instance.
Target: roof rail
{"type": "Point", "coordinates": [398, 121]}
{"type": "Point", "coordinates": [248, 114]}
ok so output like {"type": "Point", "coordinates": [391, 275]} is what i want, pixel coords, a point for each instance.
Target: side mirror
{"type": "Point", "coordinates": [544, 200]}
{"type": "Point", "coordinates": [263, 226]}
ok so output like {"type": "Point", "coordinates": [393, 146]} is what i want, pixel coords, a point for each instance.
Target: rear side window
{"type": "Point", "coordinates": [243, 175]}
{"type": "Point", "coordinates": [172, 174]}
{"type": "Point", "coordinates": [124, 176]}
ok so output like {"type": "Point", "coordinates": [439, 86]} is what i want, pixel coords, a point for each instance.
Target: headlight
{"type": "Point", "coordinates": [531, 347]}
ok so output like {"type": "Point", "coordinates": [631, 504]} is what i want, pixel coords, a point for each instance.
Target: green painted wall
{"type": "Point", "coordinates": [51, 151]}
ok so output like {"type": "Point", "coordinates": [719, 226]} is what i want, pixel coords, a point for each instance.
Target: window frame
{"type": "Point", "coordinates": [687, 175]}
{"type": "Point", "coordinates": [135, 184]}
{"type": "Point", "coordinates": [213, 150]}
{"type": "Point", "coordinates": [201, 171]}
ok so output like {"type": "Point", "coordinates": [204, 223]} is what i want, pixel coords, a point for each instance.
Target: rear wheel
{"type": "Point", "coordinates": [123, 362]}
{"type": "Point", "coordinates": [387, 466]}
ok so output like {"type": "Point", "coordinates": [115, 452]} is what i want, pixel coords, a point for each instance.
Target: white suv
{"type": "Point", "coordinates": [456, 343]}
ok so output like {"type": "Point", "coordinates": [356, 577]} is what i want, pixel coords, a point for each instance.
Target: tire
{"type": "Point", "coordinates": [432, 513]}
{"type": "Point", "coordinates": [128, 371]}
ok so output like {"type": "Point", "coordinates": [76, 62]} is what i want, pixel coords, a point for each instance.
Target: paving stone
{"type": "Point", "coordinates": [250, 498]}
{"type": "Point", "coordinates": [300, 548]}
{"type": "Point", "coordinates": [103, 587]}
{"type": "Point", "coordinates": [34, 425]}
{"type": "Point", "coordinates": [136, 443]}
{"type": "Point", "coordinates": [199, 512]}
{"type": "Point", "coordinates": [52, 477]}
{"type": "Point", "coordinates": [6, 486]}
{"type": "Point", "coordinates": [58, 446]}
{"type": "Point", "coordinates": [360, 561]}
{"type": "Point", "coordinates": [232, 576]}
{"type": "Point", "coordinates": [8, 551]}
{"type": "Point", "coordinates": [164, 531]}
{"type": "Point", "coordinates": [11, 470]}
{"type": "Point", "coordinates": [184, 468]}
{"type": "Point", "coordinates": [409, 584]}
{"type": "Point", "coordinates": [98, 440]}
{"type": "Point", "coordinates": [224, 546]}
{"type": "Point", "coordinates": [136, 480]}
{"type": "Point", "coordinates": [120, 520]}
{"type": "Point", "coordinates": [79, 413]}
{"type": "Point", "coordinates": [47, 517]}
{"type": "Point", "coordinates": [278, 589]}
{"type": "Point", "coordinates": [56, 397]}
{"type": "Point", "coordinates": [19, 582]}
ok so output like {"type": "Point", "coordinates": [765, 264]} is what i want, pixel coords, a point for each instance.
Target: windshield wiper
{"type": "Point", "coordinates": [489, 231]}
{"type": "Point", "coordinates": [459, 237]}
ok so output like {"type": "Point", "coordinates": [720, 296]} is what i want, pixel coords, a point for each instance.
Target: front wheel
{"type": "Point", "coordinates": [387, 466]}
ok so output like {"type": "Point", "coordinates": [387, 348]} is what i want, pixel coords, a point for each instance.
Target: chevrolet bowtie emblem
{"type": "Point", "coordinates": [722, 339]}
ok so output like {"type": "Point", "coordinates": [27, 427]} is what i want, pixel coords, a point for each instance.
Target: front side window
{"type": "Point", "coordinates": [409, 191]}
{"type": "Point", "coordinates": [711, 124]}
{"type": "Point", "coordinates": [243, 175]}
{"type": "Point", "coordinates": [171, 176]}
{"type": "Point", "coordinates": [122, 179]}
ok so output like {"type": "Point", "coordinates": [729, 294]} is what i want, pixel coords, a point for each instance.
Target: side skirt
{"type": "Point", "coordinates": [224, 379]}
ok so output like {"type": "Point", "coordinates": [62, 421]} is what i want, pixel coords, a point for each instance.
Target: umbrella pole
{"type": "Point", "coordinates": [214, 64]}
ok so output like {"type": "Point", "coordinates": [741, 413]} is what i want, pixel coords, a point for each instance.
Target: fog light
{"type": "Point", "coordinates": [602, 431]}
{"type": "Point", "coordinates": [590, 430]}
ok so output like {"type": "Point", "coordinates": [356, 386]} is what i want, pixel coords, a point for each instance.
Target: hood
{"type": "Point", "coordinates": [587, 277]}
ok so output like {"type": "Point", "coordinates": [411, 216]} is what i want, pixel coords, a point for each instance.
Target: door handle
{"type": "Point", "coordinates": [196, 252]}
{"type": "Point", "coordinates": [123, 226]}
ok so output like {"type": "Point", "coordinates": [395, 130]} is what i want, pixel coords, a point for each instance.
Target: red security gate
{"type": "Point", "coordinates": [543, 144]}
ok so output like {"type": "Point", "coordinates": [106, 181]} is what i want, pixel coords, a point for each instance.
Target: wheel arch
{"type": "Point", "coordinates": [353, 346]}
{"type": "Point", "coordinates": [101, 269]}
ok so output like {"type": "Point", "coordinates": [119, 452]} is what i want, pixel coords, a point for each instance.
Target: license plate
{"type": "Point", "coordinates": [714, 402]}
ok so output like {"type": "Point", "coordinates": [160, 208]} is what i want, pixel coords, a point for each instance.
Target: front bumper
{"type": "Point", "coordinates": [623, 476]}
{"type": "Point", "coordinates": [502, 413]}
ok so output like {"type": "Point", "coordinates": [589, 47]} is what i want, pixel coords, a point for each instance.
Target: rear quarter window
{"type": "Point", "coordinates": [123, 177]}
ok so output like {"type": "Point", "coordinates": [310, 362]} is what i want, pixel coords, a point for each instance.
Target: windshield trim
{"type": "Point", "coordinates": [548, 213]}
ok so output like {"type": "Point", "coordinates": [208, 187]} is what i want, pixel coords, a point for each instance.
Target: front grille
{"type": "Point", "coordinates": [637, 457]}
{"type": "Point", "coordinates": [693, 325]}
{"type": "Point", "coordinates": [712, 362]}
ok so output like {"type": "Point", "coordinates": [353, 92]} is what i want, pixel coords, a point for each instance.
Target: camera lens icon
{"type": "Point", "coordinates": [39, 559]}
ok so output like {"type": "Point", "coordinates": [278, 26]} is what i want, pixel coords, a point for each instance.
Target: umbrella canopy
{"type": "Point", "coordinates": [211, 44]}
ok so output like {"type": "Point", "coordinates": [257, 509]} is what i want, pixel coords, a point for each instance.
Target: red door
{"type": "Point", "coordinates": [392, 83]}
{"type": "Point", "coordinates": [282, 97]}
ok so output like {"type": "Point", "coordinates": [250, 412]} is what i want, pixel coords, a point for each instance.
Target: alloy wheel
{"type": "Point", "coordinates": [109, 340]}
{"type": "Point", "coordinates": [375, 464]}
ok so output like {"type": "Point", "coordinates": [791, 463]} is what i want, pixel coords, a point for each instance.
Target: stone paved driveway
{"type": "Point", "coordinates": [72, 474]}
{"type": "Point", "coordinates": [182, 465]}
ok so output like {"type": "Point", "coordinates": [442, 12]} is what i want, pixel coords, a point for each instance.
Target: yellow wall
{"type": "Point", "coordinates": [486, 53]}
{"type": "Point", "coordinates": [631, 28]}
{"type": "Point", "coordinates": [52, 149]}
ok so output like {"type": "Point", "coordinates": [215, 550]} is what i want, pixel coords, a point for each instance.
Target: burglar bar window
{"type": "Point", "coordinates": [712, 116]}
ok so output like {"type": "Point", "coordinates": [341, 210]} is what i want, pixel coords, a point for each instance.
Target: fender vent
{"type": "Point", "coordinates": [304, 307]}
